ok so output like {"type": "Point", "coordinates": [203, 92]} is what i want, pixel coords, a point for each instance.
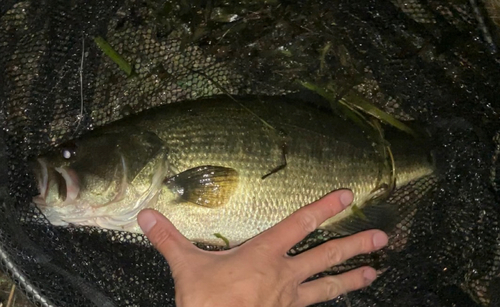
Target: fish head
{"type": "Point", "coordinates": [96, 171]}
{"type": "Point", "coordinates": [77, 170]}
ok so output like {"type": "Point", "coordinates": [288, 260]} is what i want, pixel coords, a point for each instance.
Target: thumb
{"type": "Point", "coordinates": [164, 236]}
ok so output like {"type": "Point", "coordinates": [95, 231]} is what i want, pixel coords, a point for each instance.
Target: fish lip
{"type": "Point", "coordinates": [39, 201]}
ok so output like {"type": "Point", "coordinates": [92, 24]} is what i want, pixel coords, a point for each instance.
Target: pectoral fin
{"type": "Point", "coordinates": [208, 186]}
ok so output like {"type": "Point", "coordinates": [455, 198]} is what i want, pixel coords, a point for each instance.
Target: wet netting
{"type": "Point", "coordinates": [435, 62]}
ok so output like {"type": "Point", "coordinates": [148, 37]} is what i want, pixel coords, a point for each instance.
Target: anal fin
{"type": "Point", "coordinates": [381, 215]}
{"type": "Point", "coordinates": [208, 186]}
{"type": "Point", "coordinates": [386, 213]}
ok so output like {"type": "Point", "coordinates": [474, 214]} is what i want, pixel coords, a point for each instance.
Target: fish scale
{"type": "Point", "coordinates": [272, 199]}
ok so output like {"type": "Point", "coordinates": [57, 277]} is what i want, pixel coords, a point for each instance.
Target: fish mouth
{"type": "Point", "coordinates": [70, 182]}
{"type": "Point", "coordinates": [64, 178]}
{"type": "Point", "coordinates": [42, 178]}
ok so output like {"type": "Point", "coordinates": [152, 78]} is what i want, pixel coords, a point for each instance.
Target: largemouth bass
{"type": "Point", "coordinates": [220, 166]}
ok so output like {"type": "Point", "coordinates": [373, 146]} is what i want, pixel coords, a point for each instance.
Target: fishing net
{"type": "Point", "coordinates": [70, 66]}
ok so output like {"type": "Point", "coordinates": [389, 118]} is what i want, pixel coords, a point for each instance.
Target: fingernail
{"type": "Point", "coordinates": [369, 276]}
{"type": "Point", "coordinates": [346, 198]}
{"type": "Point", "coordinates": [379, 240]}
{"type": "Point", "coordinates": [146, 220]}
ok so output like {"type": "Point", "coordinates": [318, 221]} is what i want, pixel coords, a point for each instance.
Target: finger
{"type": "Point", "coordinates": [337, 251]}
{"type": "Point", "coordinates": [328, 288]}
{"type": "Point", "coordinates": [164, 236]}
{"type": "Point", "coordinates": [298, 225]}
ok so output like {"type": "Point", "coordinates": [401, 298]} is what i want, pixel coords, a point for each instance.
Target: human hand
{"type": "Point", "coordinates": [259, 272]}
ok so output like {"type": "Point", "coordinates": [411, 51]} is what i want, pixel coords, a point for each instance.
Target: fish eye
{"type": "Point", "coordinates": [67, 154]}
{"type": "Point", "coordinates": [68, 151]}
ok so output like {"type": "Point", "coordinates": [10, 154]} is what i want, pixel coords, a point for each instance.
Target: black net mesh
{"type": "Point", "coordinates": [431, 61]}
